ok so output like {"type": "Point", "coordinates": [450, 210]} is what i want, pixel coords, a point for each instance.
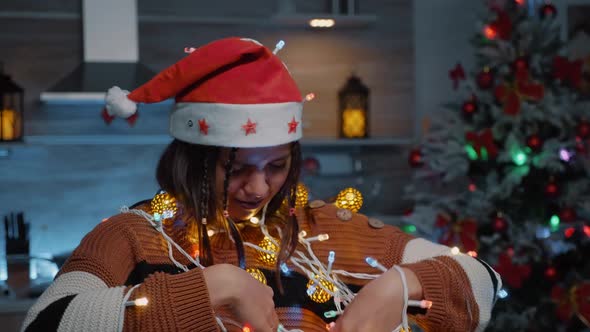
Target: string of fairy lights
{"type": "Point", "coordinates": [324, 281]}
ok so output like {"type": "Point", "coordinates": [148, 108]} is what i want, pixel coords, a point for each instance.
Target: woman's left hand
{"type": "Point", "coordinates": [378, 306]}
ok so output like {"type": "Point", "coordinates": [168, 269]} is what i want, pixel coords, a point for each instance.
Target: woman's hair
{"type": "Point", "coordinates": [187, 171]}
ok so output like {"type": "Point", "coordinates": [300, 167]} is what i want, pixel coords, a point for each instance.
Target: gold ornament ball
{"type": "Point", "coordinates": [264, 257]}
{"type": "Point", "coordinates": [257, 274]}
{"type": "Point", "coordinates": [320, 295]}
{"type": "Point", "coordinates": [350, 199]}
{"type": "Point", "coordinates": [164, 204]}
{"type": "Point", "coordinates": [302, 195]}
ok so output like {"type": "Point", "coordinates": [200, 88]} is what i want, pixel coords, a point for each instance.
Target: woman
{"type": "Point", "coordinates": [223, 246]}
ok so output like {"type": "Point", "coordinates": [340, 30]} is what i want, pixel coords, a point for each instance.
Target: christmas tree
{"type": "Point", "coordinates": [503, 172]}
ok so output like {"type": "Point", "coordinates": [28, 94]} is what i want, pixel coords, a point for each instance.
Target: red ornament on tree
{"type": "Point", "coordinates": [583, 129]}
{"type": "Point", "coordinates": [469, 107]}
{"type": "Point", "coordinates": [521, 63]}
{"type": "Point", "coordinates": [551, 189]}
{"type": "Point", "coordinates": [551, 273]}
{"type": "Point", "coordinates": [485, 79]}
{"type": "Point", "coordinates": [499, 223]}
{"type": "Point", "coordinates": [567, 214]}
{"type": "Point", "coordinates": [548, 11]}
{"type": "Point", "coordinates": [415, 158]}
{"type": "Point", "coordinates": [534, 142]}
{"type": "Point", "coordinates": [501, 27]}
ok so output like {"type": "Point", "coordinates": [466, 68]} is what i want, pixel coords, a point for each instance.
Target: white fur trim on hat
{"type": "Point", "coordinates": [273, 124]}
{"type": "Point", "coordinates": [117, 103]}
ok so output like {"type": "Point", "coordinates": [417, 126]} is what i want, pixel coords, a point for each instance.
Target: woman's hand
{"type": "Point", "coordinates": [378, 306]}
{"type": "Point", "coordinates": [250, 300]}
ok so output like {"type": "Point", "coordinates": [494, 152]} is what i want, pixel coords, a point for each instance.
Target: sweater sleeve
{"type": "Point", "coordinates": [90, 291]}
{"type": "Point", "coordinates": [462, 289]}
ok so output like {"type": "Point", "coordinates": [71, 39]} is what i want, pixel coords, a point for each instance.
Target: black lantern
{"type": "Point", "coordinates": [11, 109]}
{"type": "Point", "coordinates": [354, 109]}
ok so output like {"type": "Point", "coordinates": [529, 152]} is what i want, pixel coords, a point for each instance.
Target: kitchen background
{"type": "Point", "coordinates": [71, 170]}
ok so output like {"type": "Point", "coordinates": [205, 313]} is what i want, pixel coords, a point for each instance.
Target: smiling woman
{"type": "Point", "coordinates": [222, 245]}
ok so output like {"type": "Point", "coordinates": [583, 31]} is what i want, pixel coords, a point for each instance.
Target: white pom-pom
{"type": "Point", "coordinates": [117, 103]}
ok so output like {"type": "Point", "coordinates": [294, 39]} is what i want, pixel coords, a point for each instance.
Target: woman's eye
{"type": "Point", "coordinates": [237, 169]}
{"type": "Point", "coordinates": [278, 166]}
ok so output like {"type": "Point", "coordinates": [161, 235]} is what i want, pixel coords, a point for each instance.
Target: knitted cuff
{"type": "Point", "coordinates": [433, 285]}
{"type": "Point", "coordinates": [191, 304]}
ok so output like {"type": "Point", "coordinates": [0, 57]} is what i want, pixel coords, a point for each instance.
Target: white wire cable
{"type": "Point", "coordinates": [123, 306]}
{"type": "Point", "coordinates": [404, 324]}
{"type": "Point", "coordinates": [308, 263]}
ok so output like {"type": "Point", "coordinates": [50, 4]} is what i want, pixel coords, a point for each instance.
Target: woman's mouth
{"type": "Point", "coordinates": [249, 205]}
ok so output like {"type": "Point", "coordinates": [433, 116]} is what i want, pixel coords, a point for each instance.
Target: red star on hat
{"type": "Point", "coordinates": [203, 126]}
{"type": "Point", "coordinates": [293, 126]}
{"type": "Point", "coordinates": [249, 127]}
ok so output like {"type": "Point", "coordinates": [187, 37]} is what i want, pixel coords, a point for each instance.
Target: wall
{"type": "Point", "coordinates": [67, 185]}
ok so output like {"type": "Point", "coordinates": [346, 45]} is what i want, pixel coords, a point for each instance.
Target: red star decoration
{"type": "Point", "coordinates": [249, 127]}
{"type": "Point", "coordinates": [203, 127]}
{"type": "Point", "coordinates": [293, 126]}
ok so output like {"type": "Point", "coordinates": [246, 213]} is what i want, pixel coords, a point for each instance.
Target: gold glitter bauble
{"type": "Point", "coordinates": [164, 204]}
{"type": "Point", "coordinates": [257, 274]}
{"type": "Point", "coordinates": [350, 199]}
{"type": "Point", "coordinates": [266, 258]}
{"type": "Point", "coordinates": [319, 295]}
{"type": "Point", "coordinates": [302, 195]}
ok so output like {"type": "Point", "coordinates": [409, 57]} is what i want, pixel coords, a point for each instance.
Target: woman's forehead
{"type": "Point", "coordinates": [256, 155]}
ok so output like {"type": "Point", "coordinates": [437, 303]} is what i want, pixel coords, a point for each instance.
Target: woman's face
{"type": "Point", "coordinates": [258, 175]}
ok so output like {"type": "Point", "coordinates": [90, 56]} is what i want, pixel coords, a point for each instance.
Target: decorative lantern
{"type": "Point", "coordinates": [316, 292]}
{"type": "Point", "coordinates": [350, 199]}
{"type": "Point", "coordinates": [354, 109]}
{"type": "Point", "coordinates": [257, 274]}
{"type": "Point", "coordinates": [164, 204]}
{"type": "Point", "coordinates": [11, 109]}
{"type": "Point", "coordinates": [267, 258]}
{"type": "Point", "coordinates": [302, 195]}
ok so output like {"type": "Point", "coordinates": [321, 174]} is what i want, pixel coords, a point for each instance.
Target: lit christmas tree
{"type": "Point", "coordinates": [503, 173]}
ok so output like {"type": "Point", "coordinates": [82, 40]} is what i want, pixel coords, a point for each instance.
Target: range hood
{"type": "Point", "coordinates": [111, 55]}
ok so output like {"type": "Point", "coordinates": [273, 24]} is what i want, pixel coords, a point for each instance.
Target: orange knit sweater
{"type": "Point", "coordinates": [125, 250]}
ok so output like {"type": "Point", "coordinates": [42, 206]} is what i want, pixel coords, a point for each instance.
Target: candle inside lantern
{"type": "Point", "coordinates": [8, 125]}
{"type": "Point", "coordinates": [353, 122]}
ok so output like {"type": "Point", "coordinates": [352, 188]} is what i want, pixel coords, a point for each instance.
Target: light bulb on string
{"type": "Point", "coordinates": [554, 222]}
{"type": "Point", "coordinates": [565, 155]}
{"type": "Point", "coordinates": [409, 228]}
{"type": "Point", "coordinates": [471, 153]}
{"type": "Point", "coordinates": [519, 157]}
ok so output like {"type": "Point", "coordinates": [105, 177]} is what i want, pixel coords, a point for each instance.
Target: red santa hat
{"type": "Point", "coordinates": [232, 92]}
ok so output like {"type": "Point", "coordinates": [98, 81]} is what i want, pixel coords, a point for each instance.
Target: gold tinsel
{"type": "Point", "coordinates": [164, 204]}
{"type": "Point", "coordinates": [350, 199]}
{"type": "Point", "coordinates": [257, 274]}
{"type": "Point", "coordinates": [266, 258]}
{"type": "Point", "coordinates": [320, 295]}
{"type": "Point", "coordinates": [302, 195]}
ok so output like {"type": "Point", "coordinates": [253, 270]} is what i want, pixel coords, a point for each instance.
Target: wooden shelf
{"type": "Point", "coordinates": [165, 139]}
{"type": "Point", "coordinates": [285, 20]}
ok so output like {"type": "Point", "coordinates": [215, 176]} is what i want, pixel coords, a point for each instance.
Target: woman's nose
{"type": "Point", "coordinates": [256, 185]}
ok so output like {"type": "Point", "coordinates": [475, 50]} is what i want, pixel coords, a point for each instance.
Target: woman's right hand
{"type": "Point", "coordinates": [250, 300]}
